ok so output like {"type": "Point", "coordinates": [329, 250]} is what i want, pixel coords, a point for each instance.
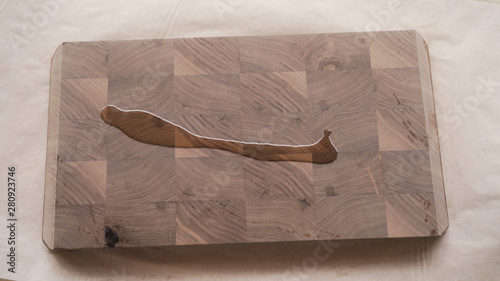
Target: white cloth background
{"type": "Point", "coordinates": [464, 42]}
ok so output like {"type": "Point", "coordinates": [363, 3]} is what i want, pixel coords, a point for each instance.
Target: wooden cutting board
{"type": "Point", "coordinates": [372, 90]}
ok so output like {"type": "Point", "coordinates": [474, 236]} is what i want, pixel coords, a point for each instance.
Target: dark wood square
{"type": "Point", "coordinates": [403, 221]}
{"type": "Point", "coordinates": [351, 216]}
{"type": "Point", "coordinates": [79, 226]}
{"type": "Point", "coordinates": [133, 226]}
{"type": "Point", "coordinates": [207, 94]}
{"type": "Point", "coordinates": [71, 176]}
{"type": "Point", "coordinates": [84, 60]}
{"type": "Point", "coordinates": [211, 221]}
{"type": "Point", "coordinates": [278, 179]}
{"type": "Point", "coordinates": [407, 171]}
{"type": "Point", "coordinates": [272, 54]}
{"type": "Point", "coordinates": [274, 92]}
{"type": "Point", "coordinates": [194, 56]}
{"type": "Point", "coordinates": [141, 180]}
{"type": "Point", "coordinates": [82, 98]}
{"type": "Point", "coordinates": [152, 58]}
{"type": "Point", "coordinates": [81, 140]}
{"type": "Point", "coordinates": [217, 177]}
{"type": "Point", "coordinates": [155, 95]}
{"type": "Point", "coordinates": [285, 128]}
{"type": "Point", "coordinates": [396, 49]}
{"type": "Point", "coordinates": [401, 129]}
{"type": "Point", "coordinates": [281, 220]}
{"type": "Point", "coordinates": [398, 87]}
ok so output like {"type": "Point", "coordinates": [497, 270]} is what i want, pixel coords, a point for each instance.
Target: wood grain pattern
{"type": "Point", "coordinates": [212, 221]}
{"type": "Point", "coordinates": [401, 129]}
{"type": "Point", "coordinates": [81, 140]}
{"type": "Point", "coordinates": [341, 90]}
{"type": "Point", "coordinates": [84, 60]}
{"type": "Point", "coordinates": [82, 98]}
{"type": "Point", "coordinates": [155, 94]}
{"type": "Point", "coordinates": [272, 54]}
{"type": "Point", "coordinates": [132, 224]}
{"type": "Point", "coordinates": [152, 58]}
{"type": "Point", "coordinates": [398, 87]}
{"type": "Point", "coordinates": [137, 180]}
{"type": "Point", "coordinates": [352, 131]}
{"type": "Point", "coordinates": [341, 51]}
{"type": "Point", "coordinates": [285, 128]}
{"type": "Point", "coordinates": [79, 226]}
{"type": "Point", "coordinates": [397, 49]}
{"type": "Point", "coordinates": [207, 94]}
{"type": "Point", "coordinates": [196, 56]}
{"type": "Point", "coordinates": [120, 147]}
{"type": "Point", "coordinates": [349, 216]}
{"type": "Point", "coordinates": [403, 221]}
{"type": "Point", "coordinates": [277, 179]}
{"type": "Point", "coordinates": [72, 175]}
{"type": "Point", "coordinates": [225, 126]}
{"type": "Point", "coordinates": [372, 90]}
{"type": "Point", "coordinates": [357, 173]}
{"type": "Point", "coordinates": [215, 178]}
{"type": "Point", "coordinates": [274, 92]}
{"type": "Point", "coordinates": [281, 220]}
{"type": "Point", "coordinates": [407, 171]}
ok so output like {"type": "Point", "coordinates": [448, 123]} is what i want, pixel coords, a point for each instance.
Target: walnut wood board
{"type": "Point", "coordinates": [373, 90]}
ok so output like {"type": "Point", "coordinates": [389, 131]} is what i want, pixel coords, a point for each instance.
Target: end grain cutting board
{"type": "Point", "coordinates": [372, 90]}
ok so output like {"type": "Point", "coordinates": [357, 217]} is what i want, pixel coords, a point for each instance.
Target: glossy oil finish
{"type": "Point", "coordinates": [151, 129]}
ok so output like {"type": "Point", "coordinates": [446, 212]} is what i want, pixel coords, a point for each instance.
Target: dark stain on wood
{"type": "Point", "coordinates": [111, 237]}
